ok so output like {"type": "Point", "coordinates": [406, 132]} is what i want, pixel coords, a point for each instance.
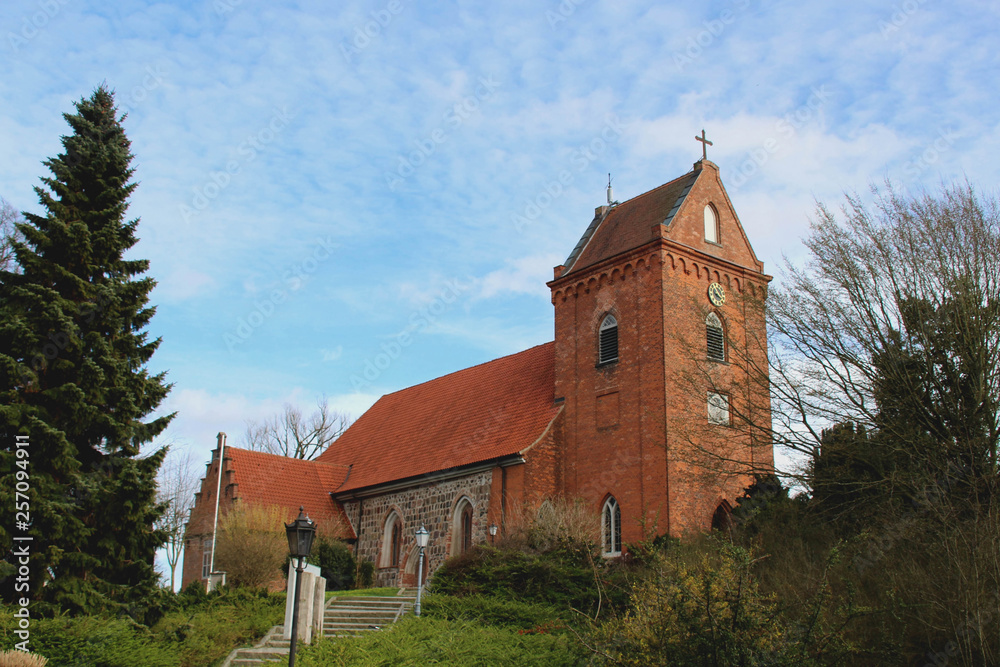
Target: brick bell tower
{"type": "Point", "coordinates": [657, 320]}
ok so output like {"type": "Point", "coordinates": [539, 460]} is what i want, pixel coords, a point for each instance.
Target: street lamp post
{"type": "Point", "coordinates": [493, 532]}
{"type": "Point", "coordinates": [422, 537]}
{"type": "Point", "coordinates": [300, 538]}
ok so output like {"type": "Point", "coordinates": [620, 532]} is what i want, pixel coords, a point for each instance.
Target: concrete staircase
{"type": "Point", "coordinates": [343, 616]}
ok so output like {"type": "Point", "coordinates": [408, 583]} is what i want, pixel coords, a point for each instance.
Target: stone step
{"type": "Point", "coordinates": [347, 616]}
{"type": "Point", "coordinates": [378, 604]}
{"type": "Point", "coordinates": [258, 656]}
{"type": "Point", "coordinates": [368, 607]}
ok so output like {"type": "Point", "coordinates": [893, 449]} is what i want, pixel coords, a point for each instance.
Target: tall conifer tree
{"type": "Point", "coordinates": [73, 377]}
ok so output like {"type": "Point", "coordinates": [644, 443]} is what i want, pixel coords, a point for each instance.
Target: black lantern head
{"type": "Point", "coordinates": [300, 535]}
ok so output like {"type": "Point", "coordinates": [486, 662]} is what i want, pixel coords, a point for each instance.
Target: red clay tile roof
{"type": "Point", "coordinates": [267, 479]}
{"type": "Point", "coordinates": [629, 224]}
{"type": "Point", "coordinates": [486, 412]}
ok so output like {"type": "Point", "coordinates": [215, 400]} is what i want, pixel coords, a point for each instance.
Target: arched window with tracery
{"type": "Point", "coordinates": [611, 528]}
{"type": "Point", "coordinates": [608, 340]}
{"type": "Point", "coordinates": [716, 338]}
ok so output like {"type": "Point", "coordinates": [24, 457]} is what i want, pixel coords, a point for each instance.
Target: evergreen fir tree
{"type": "Point", "coordinates": [73, 378]}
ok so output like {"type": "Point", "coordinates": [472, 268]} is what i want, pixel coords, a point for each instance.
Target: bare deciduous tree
{"type": "Point", "coordinates": [883, 374]}
{"type": "Point", "coordinates": [252, 546]}
{"type": "Point", "coordinates": [292, 434]}
{"type": "Point", "coordinates": [870, 314]}
{"type": "Point", "coordinates": [843, 329]}
{"type": "Point", "coordinates": [177, 483]}
{"type": "Point", "coordinates": [9, 218]}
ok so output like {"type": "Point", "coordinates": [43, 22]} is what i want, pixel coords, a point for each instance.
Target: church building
{"type": "Point", "coordinates": [643, 407]}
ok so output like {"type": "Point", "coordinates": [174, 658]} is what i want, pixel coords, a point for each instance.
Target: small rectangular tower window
{"type": "Point", "coordinates": [718, 409]}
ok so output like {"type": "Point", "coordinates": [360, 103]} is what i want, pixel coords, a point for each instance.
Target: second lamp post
{"type": "Point", "coordinates": [422, 536]}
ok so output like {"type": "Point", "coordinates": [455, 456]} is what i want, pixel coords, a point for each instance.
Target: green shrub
{"type": "Point", "coordinates": [366, 574]}
{"type": "Point", "coordinates": [85, 641]}
{"type": "Point", "coordinates": [700, 609]}
{"type": "Point", "coordinates": [336, 563]}
{"type": "Point", "coordinates": [511, 614]}
{"type": "Point", "coordinates": [564, 577]}
{"type": "Point", "coordinates": [200, 628]}
{"type": "Point", "coordinates": [431, 641]}
{"type": "Point", "coordinates": [208, 628]}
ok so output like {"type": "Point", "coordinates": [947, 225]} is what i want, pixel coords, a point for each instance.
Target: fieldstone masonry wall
{"type": "Point", "coordinates": [431, 505]}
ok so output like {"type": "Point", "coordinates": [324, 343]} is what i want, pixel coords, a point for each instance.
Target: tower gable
{"type": "Point", "coordinates": [687, 225]}
{"type": "Point", "coordinates": [674, 211]}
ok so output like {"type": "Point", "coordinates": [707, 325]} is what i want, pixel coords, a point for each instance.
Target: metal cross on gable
{"type": "Point", "coordinates": [705, 143]}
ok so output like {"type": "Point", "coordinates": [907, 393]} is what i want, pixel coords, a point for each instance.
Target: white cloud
{"type": "Point", "coordinates": [526, 275]}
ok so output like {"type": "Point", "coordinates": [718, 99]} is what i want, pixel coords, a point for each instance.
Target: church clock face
{"type": "Point", "coordinates": [716, 294]}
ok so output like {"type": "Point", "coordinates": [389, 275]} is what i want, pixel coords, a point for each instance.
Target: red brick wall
{"type": "Point", "coordinates": [614, 426]}
{"type": "Point", "coordinates": [638, 429]}
{"type": "Point", "coordinates": [199, 525]}
{"type": "Point", "coordinates": [542, 473]}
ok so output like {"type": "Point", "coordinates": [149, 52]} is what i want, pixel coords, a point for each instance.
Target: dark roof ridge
{"type": "Point", "coordinates": [610, 215]}
{"type": "Point", "coordinates": [658, 187]}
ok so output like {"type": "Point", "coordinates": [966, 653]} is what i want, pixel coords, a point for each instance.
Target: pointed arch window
{"type": "Point", "coordinates": [711, 224]}
{"type": "Point", "coordinates": [722, 519]}
{"type": "Point", "coordinates": [611, 528]}
{"type": "Point", "coordinates": [461, 528]}
{"type": "Point", "coordinates": [608, 340]}
{"type": "Point", "coordinates": [715, 338]}
{"type": "Point", "coordinates": [467, 528]}
{"type": "Point", "coordinates": [392, 541]}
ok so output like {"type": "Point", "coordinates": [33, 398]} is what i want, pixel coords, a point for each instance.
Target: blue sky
{"type": "Point", "coordinates": [316, 180]}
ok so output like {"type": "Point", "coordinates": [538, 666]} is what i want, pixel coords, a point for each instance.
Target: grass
{"type": "Point", "coordinates": [458, 632]}
{"type": "Point", "coordinates": [202, 629]}
{"type": "Point", "coordinates": [446, 643]}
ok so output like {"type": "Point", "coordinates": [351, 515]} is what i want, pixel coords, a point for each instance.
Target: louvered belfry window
{"type": "Point", "coordinates": [716, 338]}
{"type": "Point", "coordinates": [608, 340]}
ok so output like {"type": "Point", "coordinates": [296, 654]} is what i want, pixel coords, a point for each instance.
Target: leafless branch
{"type": "Point", "coordinates": [291, 434]}
{"type": "Point", "coordinates": [10, 217]}
{"type": "Point", "coordinates": [177, 482]}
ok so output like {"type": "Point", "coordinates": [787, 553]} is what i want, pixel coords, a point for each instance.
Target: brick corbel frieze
{"type": "Point", "coordinates": [666, 252]}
